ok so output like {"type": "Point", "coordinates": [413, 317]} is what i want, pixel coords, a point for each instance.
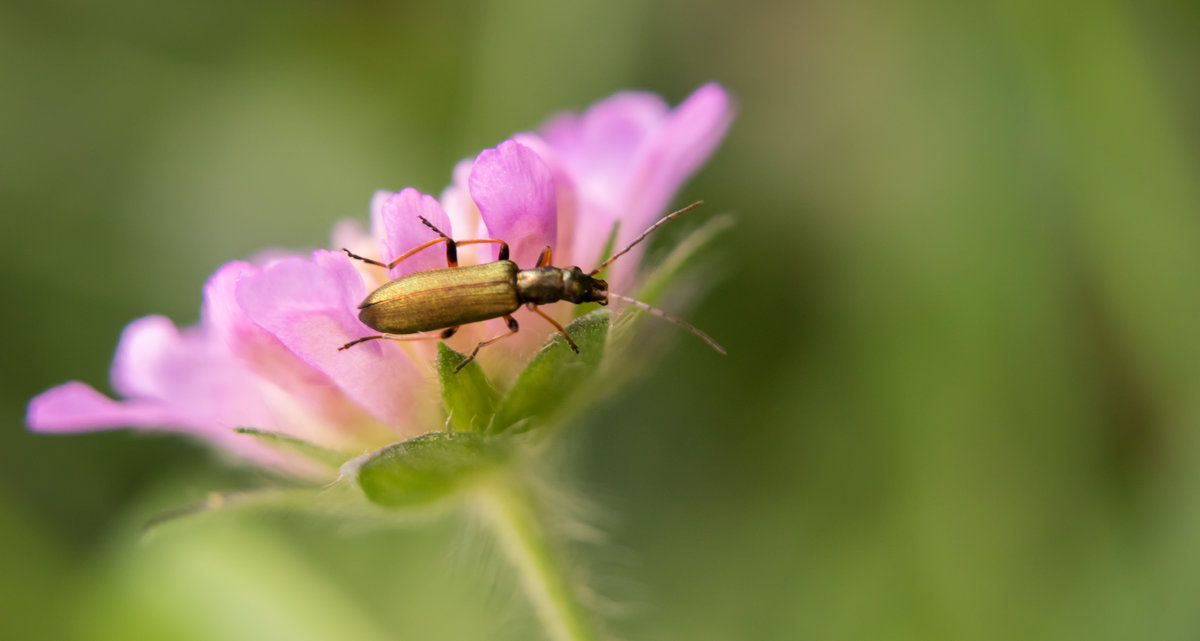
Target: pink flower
{"type": "Point", "coordinates": [264, 354]}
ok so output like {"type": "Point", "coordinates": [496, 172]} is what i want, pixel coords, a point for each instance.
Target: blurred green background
{"type": "Point", "coordinates": [962, 305]}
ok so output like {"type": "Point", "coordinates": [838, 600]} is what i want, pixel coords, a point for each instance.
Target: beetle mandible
{"type": "Point", "coordinates": [445, 299]}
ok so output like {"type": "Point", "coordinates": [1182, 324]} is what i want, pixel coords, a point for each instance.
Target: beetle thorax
{"type": "Point", "coordinates": [544, 285]}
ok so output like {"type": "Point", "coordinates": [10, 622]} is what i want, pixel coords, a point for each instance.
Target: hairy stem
{"type": "Point", "coordinates": [512, 512]}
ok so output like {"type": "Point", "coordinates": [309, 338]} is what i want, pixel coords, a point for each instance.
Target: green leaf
{"type": "Point", "coordinates": [555, 373]}
{"type": "Point", "coordinates": [291, 444]}
{"type": "Point", "coordinates": [470, 400]}
{"type": "Point", "coordinates": [428, 468]}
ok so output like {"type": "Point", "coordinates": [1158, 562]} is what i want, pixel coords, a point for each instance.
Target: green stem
{"type": "Point", "coordinates": [512, 512]}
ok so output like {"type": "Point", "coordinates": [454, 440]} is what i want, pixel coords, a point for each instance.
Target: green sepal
{"type": "Point", "coordinates": [293, 445]}
{"type": "Point", "coordinates": [428, 468]}
{"type": "Point", "coordinates": [681, 257]}
{"type": "Point", "coordinates": [470, 400]}
{"type": "Point", "coordinates": [554, 374]}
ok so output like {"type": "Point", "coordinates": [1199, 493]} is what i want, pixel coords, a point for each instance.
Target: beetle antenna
{"type": "Point", "coordinates": [671, 319]}
{"type": "Point", "coordinates": [639, 239]}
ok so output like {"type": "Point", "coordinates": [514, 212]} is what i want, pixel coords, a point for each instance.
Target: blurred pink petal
{"type": "Point", "coordinates": [349, 233]}
{"type": "Point", "coordinates": [76, 407]}
{"type": "Point", "coordinates": [195, 377]}
{"type": "Point", "coordinates": [140, 352]}
{"type": "Point", "coordinates": [221, 313]}
{"type": "Point", "coordinates": [626, 157]}
{"type": "Point", "coordinates": [375, 213]}
{"type": "Point", "coordinates": [684, 142]}
{"type": "Point", "coordinates": [464, 215]}
{"type": "Point", "coordinates": [456, 201]}
{"type": "Point", "coordinates": [597, 147]}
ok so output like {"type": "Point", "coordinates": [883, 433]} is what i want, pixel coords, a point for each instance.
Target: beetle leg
{"type": "Point", "coordinates": [534, 308]}
{"type": "Point", "coordinates": [398, 339]}
{"type": "Point", "coordinates": [544, 259]}
{"type": "Point", "coordinates": [512, 329]}
{"type": "Point", "coordinates": [443, 239]}
{"type": "Point", "coordinates": [398, 258]}
{"type": "Point", "coordinates": [451, 249]}
{"type": "Point", "coordinates": [503, 245]}
{"type": "Point", "coordinates": [451, 256]}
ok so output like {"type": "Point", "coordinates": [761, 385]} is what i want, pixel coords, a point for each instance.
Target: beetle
{"type": "Point", "coordinates": [445, 299]}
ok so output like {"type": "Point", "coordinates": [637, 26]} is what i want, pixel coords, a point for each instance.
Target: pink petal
{"type": "Point", "coordinates": [311, 307]}
{"type": "Point", "coordinates": [404, 231]}
{"type": "Point", "coordinates": [514, 190]}
{"type": "Point", "coordinates": [564, 197]}
{"type": "Point", "coordinates": [76, 407]}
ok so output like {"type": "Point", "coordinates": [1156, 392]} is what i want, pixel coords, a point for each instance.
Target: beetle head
{"type": "Point", "coordinates": [582, 288]}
